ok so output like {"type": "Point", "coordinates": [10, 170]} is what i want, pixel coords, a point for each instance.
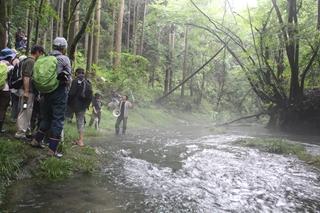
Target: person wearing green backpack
{"type": "Point", "coordinates": [54, 103]}
{"type": "Point", "coordinates": [5, 60]}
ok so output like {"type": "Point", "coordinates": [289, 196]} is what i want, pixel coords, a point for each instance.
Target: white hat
{"type": "Point", "coordinates": [22, 57]}
{"type": "Point", "coordinates": [60, 42]}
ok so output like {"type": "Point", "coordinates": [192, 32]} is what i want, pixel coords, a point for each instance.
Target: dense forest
{"type": "Point", "coordinates": [256, 59]}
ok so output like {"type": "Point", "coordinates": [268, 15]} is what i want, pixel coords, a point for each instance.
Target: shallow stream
{"type": "Point", "coordinates": [183, 169]}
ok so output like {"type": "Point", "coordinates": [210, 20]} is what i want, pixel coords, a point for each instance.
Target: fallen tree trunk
{"type": "Point", "coordinates": [250, 116]}
{"type": "Point", "coordinates": [184, 81]}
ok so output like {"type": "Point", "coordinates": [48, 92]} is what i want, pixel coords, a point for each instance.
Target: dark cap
{"type": "Point", "coordinates": [19, 28]}
{"type": "Point", "coordinates": [36, 48]}
{"type": "Point", "coordinates": [96, 95]}
{"type": "Point", "coordinates": [80, 71]}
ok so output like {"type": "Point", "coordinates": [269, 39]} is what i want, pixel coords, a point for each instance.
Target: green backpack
{"type": "Point", "coordinates": [3, 75]}
{"type": "Point", "coordinates": [45, 74]}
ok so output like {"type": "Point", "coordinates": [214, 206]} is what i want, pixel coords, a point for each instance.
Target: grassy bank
{"type": "Point", "coordinates": [280, 146]}
{"type": "Point", "coordinates": [18, 160]}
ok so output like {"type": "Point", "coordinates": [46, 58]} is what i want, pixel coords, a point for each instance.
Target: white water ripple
{"type": "Point", "coordinates": [225, 179]}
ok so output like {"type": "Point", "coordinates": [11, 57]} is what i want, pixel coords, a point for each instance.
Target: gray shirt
{"type": "Point", "coordinates": [63, 64]}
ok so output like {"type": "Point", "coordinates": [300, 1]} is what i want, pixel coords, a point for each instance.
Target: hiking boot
{"type": "Point", "coordinates": [22, 137]}
{"type": "Point", "coordinates": [56, 154]}
{"type": "Point", "coordinates": [2, 131]}
{"type": "Point", "coordinates": [35, 144]}
{"type": "Point", "coordinates": [29, 136]}
{"type": "Point", "coordinates": [69, 120]}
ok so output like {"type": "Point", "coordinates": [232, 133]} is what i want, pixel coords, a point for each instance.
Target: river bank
{"type": "Point", "coordinates": [19, 161]}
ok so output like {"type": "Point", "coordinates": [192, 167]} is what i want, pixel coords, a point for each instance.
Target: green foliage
{"type": "Point", "coordinates": [132, 72]}
{"type": "Point", "coordinates": [273, 145]}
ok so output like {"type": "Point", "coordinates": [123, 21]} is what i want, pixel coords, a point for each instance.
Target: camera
{"type": "Point", "coordinates": [25, 105]}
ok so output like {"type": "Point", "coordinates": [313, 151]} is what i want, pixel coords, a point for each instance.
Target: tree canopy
{"type": "Point", "coordinates": [269, 61]}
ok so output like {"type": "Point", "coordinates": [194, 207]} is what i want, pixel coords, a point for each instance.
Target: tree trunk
{"type": "Point", "coordinates": [82, 30]}
{"type": "Point", "coordinates": [134, 25]}
{"type": "Point", "coordinates": [9, 4]}
{"type": "Point", "coordinates": [30, 28]}
{"type": "Point", "coordinates": [61, 18]}
{"type": "Point", "coordinates": [57, 33]}
{"type": "Point", "coordinates": [128, 28]}
{"type": "Point", "coordinates": [3, 23]}
{"type": "Point", "coordinates": [155, 64]}
{"type": "Point", "coordinates": [221, 80]}
{"type": "Point", "coordinates": [86, 42]}
{"type": "Point", "coordinates": [112, 31]}
{"type": "Point", "coordinates": [172, 57]}
{"type": "Point", "coordinates": [203, 88]}
{"type": "Point", "coordinates": [74, 24]}
{"type": "Point", "coordinates": [135, 32]}
{"type": "Point", "coordinates": [142, 28]}
{"type": "Point", "coordinates": [27, 21]}
{"type": "Point", "coordinates": [89, 56]}
{"type": "Point", "coordinates": [38, 21]}
{"type": "Point", "coordinates": [43, 37]}
{"type": "Point", "coordinates": [166, 80]}
{"type": "Point", "coordinates": [117, 61]}
{"type": "Point", "coordinates": [184, 73]}
{"type": "Point", "coordinates": [191, 80]}
{"type": "Point", "coordinates": [51, 32]}
{"type": "Point", "coordinates": [318, 24]}
{"type": "Point", "coordinates": [96, 34]}
{"type": "Point", "coordinates": [66, 19]}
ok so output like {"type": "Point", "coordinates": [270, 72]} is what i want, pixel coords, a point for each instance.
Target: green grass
{"type": "Point", "coordinates": [280, 146]}
{"type": "Point", "coordinates": [19, 160]}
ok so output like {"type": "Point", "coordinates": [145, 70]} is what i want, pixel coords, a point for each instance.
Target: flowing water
{"type": "Point", "coordinates": [185, 169]}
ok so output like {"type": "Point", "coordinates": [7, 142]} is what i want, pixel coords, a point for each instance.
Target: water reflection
{"type": "Point", "coordinates": [181, 170]}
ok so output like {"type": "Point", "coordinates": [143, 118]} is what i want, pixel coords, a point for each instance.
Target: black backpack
{"type": "Point", "coordinates": [15, 76]}
{"type": "Point", "coordinates": [85, 91]}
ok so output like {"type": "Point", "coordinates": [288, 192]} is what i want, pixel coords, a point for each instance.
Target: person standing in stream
{"type": "Point", "coordinates": [123, 106]}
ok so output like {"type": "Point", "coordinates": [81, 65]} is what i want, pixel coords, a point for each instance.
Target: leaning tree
{"type": "Point", "coordinates": [277, 58]}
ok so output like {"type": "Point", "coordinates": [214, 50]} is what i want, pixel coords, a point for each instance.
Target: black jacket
{"type": "Point", "coordinates": [73, 96]}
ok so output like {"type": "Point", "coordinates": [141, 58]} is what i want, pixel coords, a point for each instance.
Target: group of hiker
{"type": "Point", "coordinates": [48, 98]}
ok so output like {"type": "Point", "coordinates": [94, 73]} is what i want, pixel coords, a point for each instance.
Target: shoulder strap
{"type": "Point", "coordinates": [57, 54]}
